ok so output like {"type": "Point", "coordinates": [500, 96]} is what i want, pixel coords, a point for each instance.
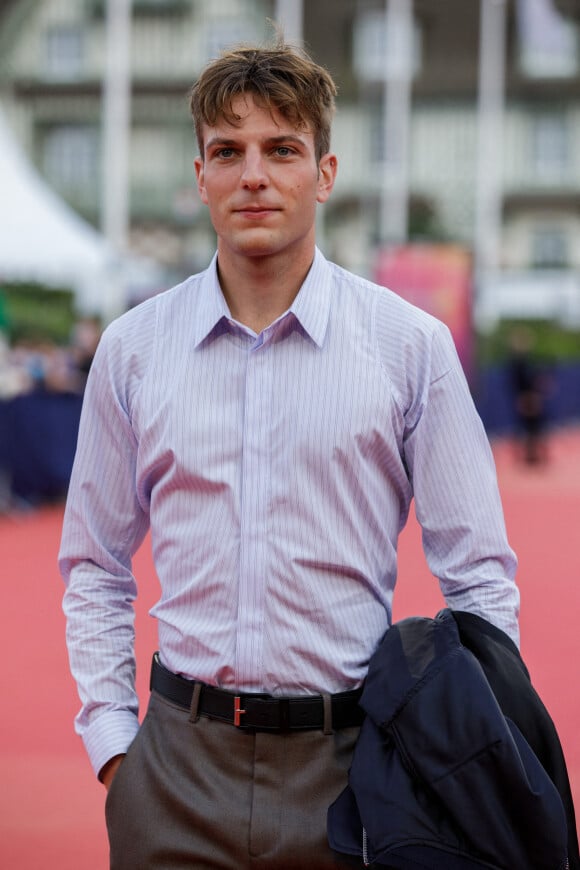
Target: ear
{"type": "Point", "coordinates": [199, 173]}
{"type": "Point", "coordinates": [327, 169]}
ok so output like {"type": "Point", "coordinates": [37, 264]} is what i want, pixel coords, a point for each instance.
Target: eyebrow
{"type": "Point", "coordinates": [226, 142]}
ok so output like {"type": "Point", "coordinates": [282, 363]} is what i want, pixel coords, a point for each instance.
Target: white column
{"type": "Point", "coordinates": [289, 15]}
{"type": "Point", "coordinates": [116, 121]}
{"type": "Point", "coordinates": [490, 114]}
{"type": "Point", "coordinates": [394, 211]}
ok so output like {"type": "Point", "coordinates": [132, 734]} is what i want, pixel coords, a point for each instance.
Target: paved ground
{"type": "Point", "coordinates": [50, 805]}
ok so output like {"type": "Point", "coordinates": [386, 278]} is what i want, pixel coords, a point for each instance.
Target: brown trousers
{"type": "Point", "coordinates": [196, 793]}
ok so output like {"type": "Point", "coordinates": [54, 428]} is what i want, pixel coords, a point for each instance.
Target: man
{"type": "Point", "coordinates": [270, 420]}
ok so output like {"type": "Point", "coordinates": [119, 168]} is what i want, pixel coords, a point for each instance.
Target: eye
{"type": "Point", "coordinates": [225, 153]}
{"type": "Point", "coordinates": [284, 151]}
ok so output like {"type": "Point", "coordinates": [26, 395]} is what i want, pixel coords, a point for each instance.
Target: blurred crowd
{"type": "Point", "coordinates": [41, 389]}
{"type": "Point", "coordinates": [29, 366]}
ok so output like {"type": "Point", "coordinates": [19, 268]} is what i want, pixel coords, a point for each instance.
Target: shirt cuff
{"type": "Point", "coordinates": [111, 734]}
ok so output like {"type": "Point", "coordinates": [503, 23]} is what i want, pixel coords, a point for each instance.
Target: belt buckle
{"type": "Point", "coordinates": [238, 712]}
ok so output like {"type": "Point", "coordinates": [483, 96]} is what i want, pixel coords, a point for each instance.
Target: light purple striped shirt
{"type": "Point", "coordinates": [276, 472]}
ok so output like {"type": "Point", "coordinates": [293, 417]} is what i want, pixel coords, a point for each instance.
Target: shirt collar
{"type": "Point", "coordinates": [311, 307]}
{"type": "Point", "coordinates": [212, 307]}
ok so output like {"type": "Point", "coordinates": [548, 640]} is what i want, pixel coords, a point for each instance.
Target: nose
{"type": "Point", "coordinates": [254, 175]}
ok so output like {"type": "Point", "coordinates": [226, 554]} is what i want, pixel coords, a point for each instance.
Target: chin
{"type": "Point", "coordinates": [258, 247]}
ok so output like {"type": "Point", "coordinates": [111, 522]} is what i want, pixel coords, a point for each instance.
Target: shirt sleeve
{"type": "Point", "coordinates": [104, 525]}
{"type": "Point", "coordinates": [457, 499]}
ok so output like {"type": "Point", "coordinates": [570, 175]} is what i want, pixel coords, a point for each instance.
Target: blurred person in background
{"type": "Point", "coordinates": [84, 341]}
{"type": "Point", "coordinates": [270, 421]}
{"type": "Point", "coordinates": [528, 382]}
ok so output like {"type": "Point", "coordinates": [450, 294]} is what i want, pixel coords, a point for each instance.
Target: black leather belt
{"type": "Point", "coordinates": [257, 711]}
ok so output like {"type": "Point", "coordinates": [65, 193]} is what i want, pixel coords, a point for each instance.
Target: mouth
{"type": "Point", "coordinates": [255, 212]}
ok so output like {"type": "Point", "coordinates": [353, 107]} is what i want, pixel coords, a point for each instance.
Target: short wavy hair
{"type": "Point", "coordinates": [282, 78]}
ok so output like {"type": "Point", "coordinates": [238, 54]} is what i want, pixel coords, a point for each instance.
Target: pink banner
{"type": "Point", "coordinates": [438, 279]}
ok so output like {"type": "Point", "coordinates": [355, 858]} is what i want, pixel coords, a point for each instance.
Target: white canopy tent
{"type": "Point", "coordinates": [43, 239]}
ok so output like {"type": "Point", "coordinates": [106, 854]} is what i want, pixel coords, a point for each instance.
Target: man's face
{"type": "Point", "coordinates": [261, 182]}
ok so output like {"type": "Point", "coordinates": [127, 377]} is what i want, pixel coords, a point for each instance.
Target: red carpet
{"type": "Point", "coordinates": [50, 804]}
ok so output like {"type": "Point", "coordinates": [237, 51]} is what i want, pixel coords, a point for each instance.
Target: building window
{"type": "Point", "coordinates": [548, 42]}
{"type": "Point", "coordinates": [550, 147]}
{"type": "Point", "coordinates": [97, 8]}
{"type": "Point", "coordinates": [71, 158]}
{"type": "Point", "coordinates": [221, 33]}
{"type": "Point", "coordinates": [64, 51]}
{"type": "Point", "coordinates": [549, 247]}
{"type": "Point", "coordinates": [159, 6]}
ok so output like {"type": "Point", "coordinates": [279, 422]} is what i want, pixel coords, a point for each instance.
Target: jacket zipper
{"type": "Point", "coordinates": [365, 849]}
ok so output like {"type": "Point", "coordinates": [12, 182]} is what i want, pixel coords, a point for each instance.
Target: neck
{"type": "Point", "coordinates": [259, 290]}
